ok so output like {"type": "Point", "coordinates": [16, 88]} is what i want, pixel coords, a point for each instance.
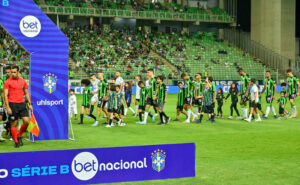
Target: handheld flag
{"type": "Point", "coordinates": [33, 126]}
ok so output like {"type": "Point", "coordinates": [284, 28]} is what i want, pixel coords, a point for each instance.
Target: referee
{"type": "Point", "coordinates": [15, 88]}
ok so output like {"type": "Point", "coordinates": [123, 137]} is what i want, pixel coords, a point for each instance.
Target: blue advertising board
{"type": "Point", "coordinates": [174, 89]}
{"type": "Point", "coordinates": [48, 48]}
{"type": "Point", "coordinates": [99, 165]}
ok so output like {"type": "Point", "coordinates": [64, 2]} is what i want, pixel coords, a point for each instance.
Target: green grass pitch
{"type": "Point", "coordinates": [228, 152]}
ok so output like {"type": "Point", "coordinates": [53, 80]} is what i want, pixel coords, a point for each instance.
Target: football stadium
{"type": "Point", "coordinates": [149, 92]}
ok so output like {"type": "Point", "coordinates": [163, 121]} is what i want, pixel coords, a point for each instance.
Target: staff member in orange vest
{"type": "Point", "coordinates": [15, 88]}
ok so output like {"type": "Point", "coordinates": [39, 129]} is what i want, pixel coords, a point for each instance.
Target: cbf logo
{"type": "Point", "coordinates": [158, 160]}
{"type": "Point", "coordinates": [49, 83]}
{"type": "Point", "coordinates": [30, 26]}
{"type": "Point", "coordinates": [5, 2]}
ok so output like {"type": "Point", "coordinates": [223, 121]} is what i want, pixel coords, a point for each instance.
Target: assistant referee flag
{"type": "Point", "coordinates": [33, 126]}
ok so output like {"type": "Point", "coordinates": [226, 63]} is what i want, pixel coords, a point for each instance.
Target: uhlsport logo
{"type": "Point", "coordinates": [158, 160]}
{"type": "Point", "coordinates": [85, 166]}
{"type": "Point", "coordinates": [30, 26]}
{"type": "Point", "coordinates": [50, 82]}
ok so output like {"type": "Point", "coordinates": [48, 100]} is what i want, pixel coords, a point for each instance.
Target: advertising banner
{"type": "Point", "coordinates": [48, 49]}
{"type": "Point", "coordinates": [99, 165]}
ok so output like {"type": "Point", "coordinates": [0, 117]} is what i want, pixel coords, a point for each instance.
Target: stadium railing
{"type": "Point", "coordinates": [136, 14]}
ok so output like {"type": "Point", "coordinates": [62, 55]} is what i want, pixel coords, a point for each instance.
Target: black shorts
{"type": "Point", "coordinates": [292, 96]}
{"type": "Point", "coordinates": [179, 108]}
{"type": "Point", "coordinates": [128, 104]}
{"type": "Point", "coordinates": [198, 102]}
{"type": "Point", "coordinates": [281, 110]}
{"type": "Point", "coordinates": [244, 98]}
{"type": "Point", "coordinates": [151, 102]}
{"type": "Point", "coordinates": [110, 110]}
{"type": "Point", "coordinates": [258, 106]}
{"type": "Point", "coordinates": [188, 101]}
{"type": "Point", "coordinates": [120, 110]}
{"type": "Point", "coordinates": [19, 110]}
{"type": "Point", "coordinates": [269, 99]}
{"type": "Point", "coordinates": [2, 111]}
{"type": "Point", "coordinates": [86, 105]}
{"type": "Point", "coordinates": [253, 104]}
{"type": "Point", "coordinates": [141, 107]}
{"type": "Point", "coordinates": [101, 104]}
{"type": "Point", "coordinates": [209, 109]}
{"type": "Point", "coordinates": [138, 100]}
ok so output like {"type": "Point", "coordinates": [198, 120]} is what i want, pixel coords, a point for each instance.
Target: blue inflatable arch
{"type": "Point", "coordinates": [48, 48]}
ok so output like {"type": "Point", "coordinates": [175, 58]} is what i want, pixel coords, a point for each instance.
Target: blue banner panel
{"type": "Point", "coordinates": [48, 48]}
{"type": "Point", "coordinates": [175, 89]}
{"type": "Point", "coordinates": [100, 165]}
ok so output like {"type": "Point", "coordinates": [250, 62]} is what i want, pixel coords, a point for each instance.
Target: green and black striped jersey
{"type": "Point", "coordinates": [292, 83]}
{"type": "Point", "coordinates": [244, 84]}
{"type": "Point", "coordinates": [208, 97]}
{"type": "Point", "coordinates": [162, 91]}
{"type": "Point", "coordinates": [199, 88]}
{"type": "Point", "coordinates": [143, 94]}
{"type": "Point", "coordinates": [102, 89]}
{"type": "Point", "coordinates": [188, 88]}
{"type": "Point", "coordinates": [269, 85]}
{"type": "Point", "coordinates": [152, 87]}
{"type": "Point", "coordinates": [86, 96]}
{"type": "Point", "coordinates": [119, 99]}
{"type": "Point", "coordinates": [180, 97]}
{"type": "Point", "coordinates": [282, 101]}
{"type": "Point", "coordinates": [111, 102]}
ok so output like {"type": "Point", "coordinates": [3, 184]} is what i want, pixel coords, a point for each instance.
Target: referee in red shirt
{"type": "Point", "coordinates": [15, 88]}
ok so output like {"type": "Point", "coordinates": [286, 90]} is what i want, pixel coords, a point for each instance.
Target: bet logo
{"type": "Point", "coordinates": [85, 166]}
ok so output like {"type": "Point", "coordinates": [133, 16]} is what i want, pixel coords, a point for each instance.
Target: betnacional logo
{"type": "Point", "coordinates": [158, 160]}
{"type": "Point", "coordinates": [49, 83]}
{"type": "Point", "coordinates": [85, 166]}
{"type": "Point", "coordinates": [30, 26]}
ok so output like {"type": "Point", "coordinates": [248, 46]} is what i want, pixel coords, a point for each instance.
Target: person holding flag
{"type": "Point", "coordinates": [15, 88]}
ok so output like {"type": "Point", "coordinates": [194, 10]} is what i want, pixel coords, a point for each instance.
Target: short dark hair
{"type": "Point", "coordinates": [150, 70]}
{"type": "Point", "coordinates": [283, 84]}
{"type": "Point", "coordinates": [15, 67]}
{"type": "Point", "coordinates": [199, 74]}
{"type": "Point", "coordinates": [100, 71]}
{"type": "Point", "coordinates": [118, 86]}
{"type": "Point", "coordinates": [253, 80]}
{"type": "Point", "coordinates": [240, 70]}
{"type": "Point", "coordinates": [86, 82]}
{"type": "Point", "coordinates": [161, 77]}
{"type": "Point", "coordinates": [140, 76]}
{"type": "Point", "coordinates": [268, 71]}
{"type": "Point", "coordinates": [112, 87]}
{"type": "Point", "coordinates": [92, 74]}
{"type": "Point", "coordinates": [282, 92]}
{"type": "Point", "coordinates": [210, 78]}
{"type": "Point", "coordinates": [183, 75]}
{"type": "Point", "coordinates": [72, 90]}
{"type": "Point", "coordinates": [140, 82]}
{"type": "Point", "coordinates": [288, 71]}
{"type": "Point", "coordinates": [180, 82]}
{"type": "Point", "coordinates": [8, 68]}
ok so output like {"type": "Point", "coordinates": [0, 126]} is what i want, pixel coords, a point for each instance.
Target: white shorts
{"type": "Point", "coordinates": [95, 98]}
{"type": "Point", "coordinates": [72, 110]}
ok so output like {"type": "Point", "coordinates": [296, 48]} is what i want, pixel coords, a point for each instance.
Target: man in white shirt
{"type": "Point", "coordinates": [254, 100]}
{"type": "Point", "coordinates": [120, 81]}
{"type": "Point", "coordinates": [137, 93]}
{"type": "Point", "coordinates": [95, 82]}
{"type": "Point", "coordinates": [72, 105]}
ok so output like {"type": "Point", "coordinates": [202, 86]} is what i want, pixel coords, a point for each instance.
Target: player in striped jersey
{"type": "Point", "coordinates": [188, 97]}
{"type": "Point", "coordinates": [150, 98]}
{"type": "Point", "coordinates": [180, 98]}
{"type": "Point", "coordinates": [292, 91]}
{"type": "Point", "coordinates": [161, 95]}
{"type": "Point", "coordinates": [270, 88]}
{"type": "Point", "coordinates": [199, 87]}
{"type": "Point", "coordinates": [86, 100]}
{"type": "Point", "coordinates": [120, 107]}
{"type": "Point", "coordinates": [282, 102]}
{"type": "Point", "coordinates": [142, 100]}
{"type": "Point", "coordinates": [244, 90]}
{"type": "Point", "coordinates": [111, 104]}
